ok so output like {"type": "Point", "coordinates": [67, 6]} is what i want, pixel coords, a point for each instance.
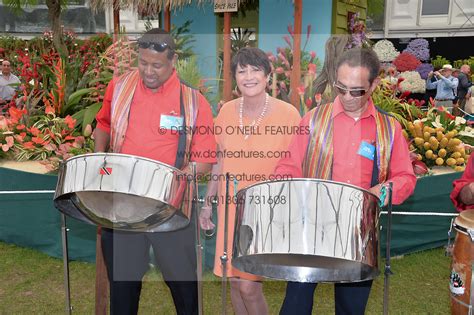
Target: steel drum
{"type": "Point", "coordinates": [124, 192]}
{"type": "Point", "coordinates": [307, 230]}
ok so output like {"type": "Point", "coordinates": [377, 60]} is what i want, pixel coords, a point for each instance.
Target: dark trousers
{"type": "Point", "coordinates": [351, 298]}
{"type": "Point", "coordinates": [126, 256]}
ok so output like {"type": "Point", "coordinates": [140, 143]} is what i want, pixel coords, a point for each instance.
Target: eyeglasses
{"type": "Point", "coordinates": [353, 92]}
{"type": "Point", "coordinates": [159, 47]}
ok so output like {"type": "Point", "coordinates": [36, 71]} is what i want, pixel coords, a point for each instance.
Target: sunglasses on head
{"type": "Point", "coordinates": [159, 47]}
{"type": "Point", "coordinates": [353, 92]}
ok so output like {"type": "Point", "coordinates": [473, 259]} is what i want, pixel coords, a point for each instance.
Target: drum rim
{"type": "Point", "coordinates": [301, 179]}
{"type": "Point", "coordinates": [122, 155]}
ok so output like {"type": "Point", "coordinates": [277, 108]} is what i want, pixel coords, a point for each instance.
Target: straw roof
{"type": "Point", "coordinates": [149, 6]}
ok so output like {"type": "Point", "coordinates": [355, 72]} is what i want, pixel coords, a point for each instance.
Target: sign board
{"type": "Point", "coordinates": [225, 6]}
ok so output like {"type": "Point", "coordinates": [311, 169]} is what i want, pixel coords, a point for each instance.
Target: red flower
{"type": "Point", "coordinates": [37, 140]}
{"type": "Point", "coordinates": [405, 95]}
{"type": "Point", "coordinates": [20, 127]}
{"type": "Point", "coordinates": [318, 97]}
{"type": "Point", "coordinates": [300, 90]}
{"type": "Point", "coordinates": [308, 103]}
{"type": "Point", "coordinates": [28, 145]}
{"type": "Point", "coordinates": [48, 109]}
{"type": "Point", "coordinates": [432, 102]}
{"type": "Point", "coordinates": [406, 62]}
{"type": "Point", "coordinates": [279, 70]}
{"type": "Point", "coordinates": [16, 114]}
{"type": "Point", "coordinates": [311, 68]}
{"type": "Point", "coordinates": [19, 138]}
{"type": "Point", "coordinates": [71, 122]}
{"type": "Point", "coordinates": [34, 131]}
{"type": "Point", "coordinates": [50, 146]}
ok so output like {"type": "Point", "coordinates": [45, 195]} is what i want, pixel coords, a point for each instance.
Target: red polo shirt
{"type": "Point", "coordinates": [458, 185]}
{"type": "Point", "coordinates": [349, 166]}
{"type": "Point", "coordinates": [144, 136]}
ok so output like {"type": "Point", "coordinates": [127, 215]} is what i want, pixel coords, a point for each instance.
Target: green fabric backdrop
{"type": "Point", "coordinates": [32, 221]}
{"type": "Point", "coordinates": [415, 233]}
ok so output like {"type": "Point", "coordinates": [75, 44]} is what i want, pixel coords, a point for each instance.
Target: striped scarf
{"type": "Point", "coordinates": [120, 111]}
{"type": "Point", "coordinates": [320, 152]}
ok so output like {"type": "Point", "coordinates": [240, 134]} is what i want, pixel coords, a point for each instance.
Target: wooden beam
{"type": "Point", "coordinates": [116, 19]}
{"type": "Point", "coordinates": [295, 76]}
{"type": "Point", "coordinates": [227, 94]}
{"type": "Point", "coordinates": [167, 18]}
{"type": "Point", "coordinates": [101, 278]}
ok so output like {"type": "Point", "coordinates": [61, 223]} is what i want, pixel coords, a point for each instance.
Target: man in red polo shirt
{"type": "Point", "coordinates": [352, 142]}
{"type": "Point", "coordinates": [141, 114]}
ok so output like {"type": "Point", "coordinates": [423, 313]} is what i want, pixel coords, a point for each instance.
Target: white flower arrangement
{"type": "Point", "coordinates": [385, 50]}
{"type": "Point", "coordinates": [412, 82]}
{"type": "Point", "coordinates": [467, 132]}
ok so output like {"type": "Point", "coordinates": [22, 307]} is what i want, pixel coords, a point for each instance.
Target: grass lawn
{"type": "Point", "coordinates": [32, 283]}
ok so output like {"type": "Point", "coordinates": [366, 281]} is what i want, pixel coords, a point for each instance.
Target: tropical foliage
{"type": "Point", "coordinates": [282, 66]}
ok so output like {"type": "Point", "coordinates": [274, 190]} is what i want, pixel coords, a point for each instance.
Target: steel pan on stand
{"type": "Point", "coordinates": [122, 192]}
{"type": "Point", "coordinates": [307, 230]}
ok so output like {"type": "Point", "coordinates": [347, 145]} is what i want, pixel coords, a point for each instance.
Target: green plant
{"type": "Point", "coordinates": [439, 61]}
{"type": "Point", "coordinates": [240, 38]}
{"type": "Point", "coordinates": [385, 97]}
{"type": "Point", "coordinates": [183, 39]}
{"type": "Point", "coordinates": [458, 63]}
{"type": "Point", "coordinates": [117, 59]}
{"type": "Point", "coordinates": [282, 64]}
{"type": "Point", "coordinates": [188, 71]}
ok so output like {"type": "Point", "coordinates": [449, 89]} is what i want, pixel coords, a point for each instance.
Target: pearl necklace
{"type": "Point", "coordinates": [254, 123]}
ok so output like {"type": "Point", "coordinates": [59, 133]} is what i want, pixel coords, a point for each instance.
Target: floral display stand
{"type": "Point", "coordinates": [31, 220]}
{"type": "Point", "coordinates": [425, 216]}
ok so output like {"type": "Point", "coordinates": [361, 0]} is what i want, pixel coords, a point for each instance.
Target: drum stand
{"type": "Point", "coordinates": [198, 241]}
{"type": "Point", "coordinates": [388, 272]}
{"type": "Point", "coordinates": [224, 257]}
{"type": "Point", "coordinates": [67, 289]}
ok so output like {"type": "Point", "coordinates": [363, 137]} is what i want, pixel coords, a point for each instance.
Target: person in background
{"type": "Point", "coordinates": [464, 79]}
{"type": "Point", "coordinates": [462, 195]}
{"type": "Point", "coordinates": [7, 84]}
{"type": "Point", "coordinates": [352, 142]}
{"type": "Point", "coordinates": [257, 115]}
{"type": "Point", "coordinates": [142, 110]}
{"type": "Point", "coordinates": [446, 86]}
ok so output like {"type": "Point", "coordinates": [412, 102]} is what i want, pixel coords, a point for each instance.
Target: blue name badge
{"type": "Point", "coordinates": [367, 150]}
{"type": "Point", "coordinates": [171, 122]}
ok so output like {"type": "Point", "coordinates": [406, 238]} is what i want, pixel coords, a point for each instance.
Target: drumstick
{"type": "Point", "coordinates": [224, 257]}
{"type": "Point", "coordinates": [198, 239]}
{"type": "Point", "coordinates": [388, 270]}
